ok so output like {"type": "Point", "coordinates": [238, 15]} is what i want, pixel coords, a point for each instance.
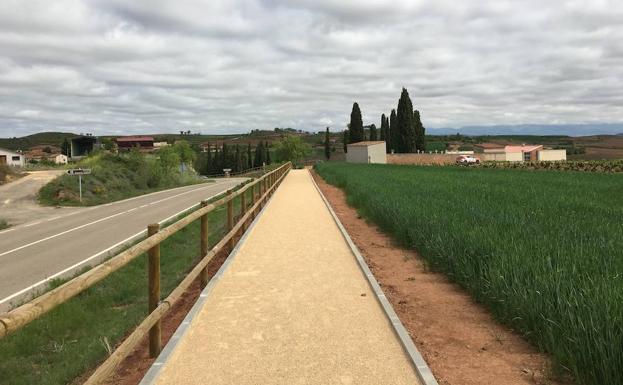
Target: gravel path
{"type": "Point", "coordinates": [292, 308]}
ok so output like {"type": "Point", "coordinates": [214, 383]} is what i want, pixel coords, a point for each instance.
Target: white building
{"type": "Point", "coordinates": [11, 158]}
{"type": "Point", "coordinates": [366, 152]}
{"type": "Point", "coordinates": [60, 159]}
{"type": "Point", "coordinates": [523, 153]}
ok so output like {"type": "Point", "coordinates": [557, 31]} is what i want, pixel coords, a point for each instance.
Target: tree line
{"type": "Point", "coordinates": [402, 131]}
{"type": "Point", "coordinates": [237, 158]}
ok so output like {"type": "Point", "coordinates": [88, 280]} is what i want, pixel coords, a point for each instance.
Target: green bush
{"type": "Point", "coordinates": [117, 177]}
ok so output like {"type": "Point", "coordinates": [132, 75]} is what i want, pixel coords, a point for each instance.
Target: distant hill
{"type": "Point", "coordinates": [533, 129]}
{"type": "Point", "coordinates": [26, 142]}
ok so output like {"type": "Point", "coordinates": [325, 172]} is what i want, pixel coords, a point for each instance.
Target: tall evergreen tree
{"type": "Point", "coordinates": [216, 162]}
{"type": "Point", "coordinates": [225, 163]}
{"type": "Point", "coordinates": [259, 155]}
{"type": "Point", "coordinates": [267, 158]}
{"type": "Point", "coordinates": [238, 160]}
{"type": "Point", "coordinates": [404, 124]}
{"type": "Point", "coordinates": [209, 160]}
{"type": "Point", "coordinates": [327, 145]}
{"type": "Point", "coordinates": [249, 158]}
{"type": "Point", "coordinates": [392, 131]}
{"type": "Point", "coordinates": [345, 141]}
{"type": "Point", "coordinates": [383, 135]}
{"type": "Point", "coordinates": [373, 133]}
{"type": "Point", "coordinates": [66, 147]}
{"type": "Point", "coordinates": [356, 125]}
{"type": "Point", "coordinates": [420, 132]}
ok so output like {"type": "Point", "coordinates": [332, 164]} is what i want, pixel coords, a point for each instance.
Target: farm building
{"type": "Point", "coordinates": [46, 153]}
{"type": "Point", "coordinates": [11, 158]}
{"type": "Point", "coordinates": [143, 143]}
{"type": "Point", "coordinates": [81, 146]}
{"type": "Point", "coordinates": [523, 153]}
{"type": "Point", "coordinates": [366, 152]}
{"type": "Point", "coordinates": [486, 148]}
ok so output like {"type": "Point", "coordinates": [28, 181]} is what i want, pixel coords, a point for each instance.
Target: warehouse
{"type": "Point", "coordinates": [366, 152]}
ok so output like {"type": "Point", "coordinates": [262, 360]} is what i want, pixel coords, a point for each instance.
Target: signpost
{"type": "Point", "coordinates": [80, 172]}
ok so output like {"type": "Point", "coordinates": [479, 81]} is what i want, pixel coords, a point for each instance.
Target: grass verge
{"type": "Point", "coordinates": [79, 334]}
{"type": "Point", "coordinates": [544, 251]}
{"type": "Point", "coordinates": [114, 177]}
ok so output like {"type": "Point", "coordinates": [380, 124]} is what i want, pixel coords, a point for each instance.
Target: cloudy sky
{"type": "Point", "coordinates": [120, 66]}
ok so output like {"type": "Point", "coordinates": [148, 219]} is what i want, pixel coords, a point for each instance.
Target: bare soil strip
{"type": "Point", "coordinates": [459, 339]}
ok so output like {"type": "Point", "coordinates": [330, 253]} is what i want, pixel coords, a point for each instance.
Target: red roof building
{"type": "Point", "coordinates": [144, 143]}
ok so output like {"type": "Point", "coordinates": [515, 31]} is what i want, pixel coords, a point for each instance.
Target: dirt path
{"type": "Point", "coordinates": [293, 307]}
{"type": "Point", "coordinates": [18, 199]}
{"type": "Point", "coordinates": [459, 339]}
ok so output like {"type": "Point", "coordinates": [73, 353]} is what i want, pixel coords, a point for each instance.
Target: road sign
{"type": "Point", "coordinates": [79, 171]}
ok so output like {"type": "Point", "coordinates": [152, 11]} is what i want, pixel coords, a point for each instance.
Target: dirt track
{"type": "Point", "coordinates": [18, 199]}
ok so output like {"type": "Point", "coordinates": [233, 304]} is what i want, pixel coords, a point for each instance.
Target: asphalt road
{"type": "Point", "coordinates": [55, 246]}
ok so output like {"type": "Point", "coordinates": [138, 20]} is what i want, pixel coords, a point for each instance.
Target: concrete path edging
{"type": "Point", "coordinates": [421, 367]}
{"type": "Point", "coordinates": [153, 372]}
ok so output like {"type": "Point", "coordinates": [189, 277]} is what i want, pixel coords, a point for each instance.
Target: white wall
{"type": "Point", "coordinates": [60, 159]}
{"type": "Point", "coordinates": [514, 156]}
{"type": "Point", "coordinates": [552, 155]}
{"type": "Point", "coordinates": [19, 162]}
{"type": "Point", "coordinates": [377, 153]}
{"type": "Point", "coordinates": [357, 154]}
{"type": "Point", "coordinates": [374, 153]}
{"type": "Point", "coordinates": [495, 156]}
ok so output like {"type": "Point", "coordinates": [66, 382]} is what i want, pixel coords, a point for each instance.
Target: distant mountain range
{"type": "Point", "coordinates": [533, 129]}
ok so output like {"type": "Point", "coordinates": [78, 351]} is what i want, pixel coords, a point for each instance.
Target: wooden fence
{"type": "Point", "coordinates": [23, 315]}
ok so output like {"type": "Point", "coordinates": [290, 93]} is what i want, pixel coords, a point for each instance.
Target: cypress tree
{"type": "Point", "coordinates": [238, 160]}
{"type": "Point", "coordinates": [404, 124]}
{"type": "Point", "coordinates": [392, 131]}
{"type": "Point", "coordinates": [383, 131]}
{"type": "Point", "coordinates": [216, 166]}
{"type": "Point", "coordinates": [356, 124]}
{"type": "Point", "coordinates": [373, 135]}
{"type": "Point", "coordinates": [327, 145]}
{"type": "Point", "coordinates": [225, 157]}
{"type": "Point", "coordinates": [259, 155]}
{"type": "Point", "coordinates": [66, 147]}
{"type": "Point", "coordinates": [209, 160]}
{"type": "Point", "coordinates": [420, 132]}
{"type": "Point", "coordinates": [268, 161]}
{"type": "Point", "coordinates": [345, 141]}
{"type": "Point", "coordinates": [249, 158]}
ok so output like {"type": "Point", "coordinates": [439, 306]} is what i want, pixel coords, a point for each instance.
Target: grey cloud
{"type": "Point", "coordinates": [113, 66]}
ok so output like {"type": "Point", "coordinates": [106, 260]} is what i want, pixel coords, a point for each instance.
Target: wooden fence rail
{"type": "Point", "coordinates": [24, 314]}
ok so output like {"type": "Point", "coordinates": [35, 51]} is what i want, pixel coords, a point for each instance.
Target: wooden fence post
{"type": "Point", "coordinates": [204, 244]}
{"type": "Point", "coordinates": [155, 341]}
{"type": "Point", "coordinates": [230, 217]}
{"type": "Point", "coordinates": [243, 208]}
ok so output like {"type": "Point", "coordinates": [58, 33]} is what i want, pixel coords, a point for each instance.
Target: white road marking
{"type": "Point", "coordinates": [91, 223]}
{"type": "Point", "coordinates": [75, 265]}
{"type": "Point", "coordinates": [32, 224]}
{"type": "Point", "coordinates": [7, 201]}
{"type": "Point", "coordinates": [85, 209]}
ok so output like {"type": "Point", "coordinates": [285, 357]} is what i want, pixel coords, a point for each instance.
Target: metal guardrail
{"type": "Point", "coordinates": [24, 314]}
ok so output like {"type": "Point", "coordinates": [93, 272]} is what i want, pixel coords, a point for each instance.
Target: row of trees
{"type": "Point", "coordinates": [402, 131]}
{"type": "Point", "coordinates": [237, 158]}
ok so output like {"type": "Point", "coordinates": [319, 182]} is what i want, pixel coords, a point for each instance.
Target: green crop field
{"type": "Point", "coordinates": [543, 250]}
